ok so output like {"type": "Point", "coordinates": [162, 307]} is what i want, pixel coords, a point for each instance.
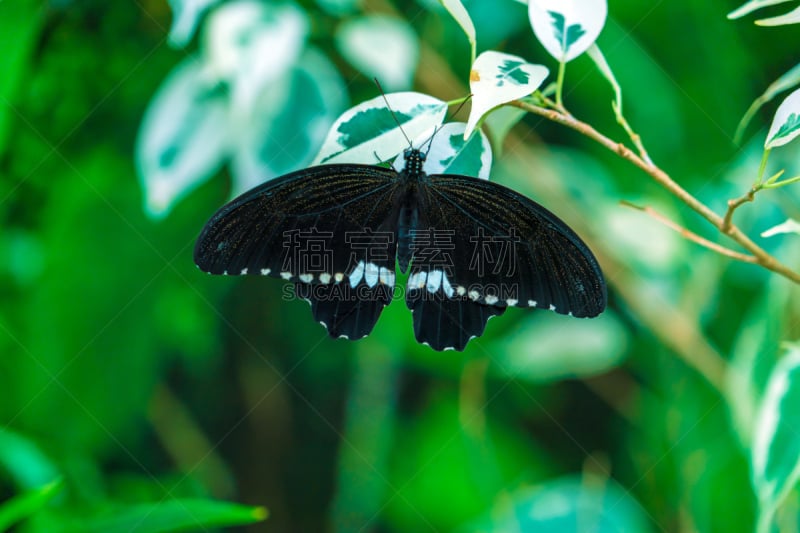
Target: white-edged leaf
{"type": "Point", "coordinates": [369, 128]}
{"type": "Point", "coordinates": [786, 123]}
{"type": "Point", "coordinates": [498, 78]}
{"type": "Point", "coordinates": [776, 442]}
{"type": "Point", "coordinates": [183, 137]}
{"type": "Point", "coordinates": [567, 28]}
{"type": "Point", "coordinates": [458, 12]}
{"type": "Point", "coordinates": [790, 226]}
{"type": "Point", "coordinates": [792, 17]}
{"type": "Point", "coordinates": [381, 47]}
{"type": "Point", "coordinates": [249, 44]}
{"type": "Point", "coordinates": [449, 153]}
{"type": "Point", "coordinates": [301, 106]}
{"type": "Point", "coordinates": [550, 347]}
{"type": "Point", "coordinates": [751, 6]}
{"type": "Point", "coordinates": [185, 17]}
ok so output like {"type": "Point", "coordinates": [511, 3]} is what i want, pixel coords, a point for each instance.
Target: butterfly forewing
{"type": "Point", "coordinates": [330, 229]}
{"type": "Point", "coordinates": [504, 249]}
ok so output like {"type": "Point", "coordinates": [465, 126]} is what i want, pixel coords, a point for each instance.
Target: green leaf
{"type": "Point", "coordinates": [173, 515]}
{"type": "Point", "coordinates": [499, 123]}
{"type": "Point", "coordinates": [581, 348]}
{"type": "Point", "coordinates": [568, 504]}
{"type": "Point", "coordinates": [776, 441]}
{"type": "Point", "coordinates": [787, 81]}
{"type": "Point", "coordinates": [24, 461]}
{"type": "Point", "coordinates": [458, 12]}
{"type": "Point", "coordinates": [20, 23]}
{"type": "Point", "coordinates": [24, 505]}
{"type": "Point", "coordinates": [602, 65]}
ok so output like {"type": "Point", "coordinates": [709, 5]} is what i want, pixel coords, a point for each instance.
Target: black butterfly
{"type": "Point", "coordinates": [337, 231]}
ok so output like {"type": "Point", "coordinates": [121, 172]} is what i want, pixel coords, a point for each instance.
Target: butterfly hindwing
{"type": "Point", "coordinates": [344, 311]}
{"type": "Point", "coordinates": [330, 229]}
{"type": "Point", "coordinates": [446, 322]}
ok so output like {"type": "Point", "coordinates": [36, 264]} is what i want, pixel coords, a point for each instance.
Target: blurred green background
{"type": "Point", "coordinates": [151, 394]}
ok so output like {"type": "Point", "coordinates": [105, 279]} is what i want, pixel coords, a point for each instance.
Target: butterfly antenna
{"type": "Point", "coordinates": [430, 141]}
{"type": "Point", "coordinates": [460, 107]}
{"type": "Point", "coordinates": [410, 144]}
{"type": "Point", "coordinates": [450, 117]}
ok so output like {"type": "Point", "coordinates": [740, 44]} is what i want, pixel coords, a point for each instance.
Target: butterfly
{"type": "Point", "coordinates": [338, 232]}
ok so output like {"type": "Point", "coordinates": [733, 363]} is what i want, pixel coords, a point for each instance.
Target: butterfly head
{"type": "Point", "coordinates": [415, 159]}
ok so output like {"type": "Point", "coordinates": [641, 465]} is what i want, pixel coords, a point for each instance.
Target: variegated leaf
{"type": "Point", "coordinates": [369, 129]}
{"type": "Point", "coordinates": [498, 78]}
{"type": "Point", "coordinates": [567, 28]}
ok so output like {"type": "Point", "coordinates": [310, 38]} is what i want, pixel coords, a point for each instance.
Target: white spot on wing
{"type": "Point", "coordinates": [356, 274]}
{"type": "Point", "coordinates": [286, 275]}
{"type": "Point", "coordinates": [306, 278]}
{"type": "Point", "coordinates": [434, 280]}
{"type": "Point", "coordinates": [474, 295]}
{"type": "Point", "coordinates": [552, 307]}
{"type": "Point", "coordinates": [224, 272]}
{"type": "Point", "coordinates": [325, 278]}
{"type": "Point", "coordinates": [461, 290]}
{"type": "Point", "coordinates": [244, 272]}
{"type": "Point", "coordinates": [446, 287]}
{"type": "Point", "coordinates": [511, 302]}
{"type": "Point", "coordinates": [417, 280]}
{"type": "Point", "coordinates": [387, 277]}
{"type": "Point", "coordinates": [338, 277]}
{"type": "Point", "coordinates": [491, 299]}
{"type": "Point", "coordinates": [371, 274]}
{"type": "Point", "coordinates": [532, 303]}
{"type": "Point", "coordinates": [265, 271]}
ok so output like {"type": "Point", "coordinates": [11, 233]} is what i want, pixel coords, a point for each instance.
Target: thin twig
{"type": "Point", "coordinates": [636, 139]}
{"type": "Point", "coordinates": [762, 258]}
{"type": "Point", "coordinates": [691, 235]}
{"type": "Point", "coordinates": [749, 196]}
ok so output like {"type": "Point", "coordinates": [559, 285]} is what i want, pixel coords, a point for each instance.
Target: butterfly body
{"type": "Point", "coordinates": [473, 248]}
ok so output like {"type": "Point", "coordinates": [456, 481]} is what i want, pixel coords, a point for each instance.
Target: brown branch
{"type": "Point", "coordinates": [691, 235]}
{"type": "Point", "coordinates": [761, 257]}
{"type": "Point", "coordinates": [734, 204]}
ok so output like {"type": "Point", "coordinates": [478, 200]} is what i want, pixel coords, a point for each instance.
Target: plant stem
{"type": "Point", "coordinates": [761, 256]}
{"type": "Point", "coordinates": [762, 167]}
{"type": "Point", "coordinates": [562, 67]}
{"type": "Point", "coordinates": [691, 235]}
